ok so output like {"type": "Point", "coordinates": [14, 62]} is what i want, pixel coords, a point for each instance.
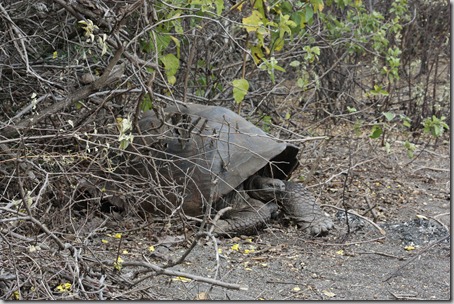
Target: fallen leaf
{"type": "Point", "coordinates": [340, 252]}
{"type": "Point", "coordinates": [409, 248]}
{"type": "Point", "coordinates": [182, 279]}
{"type": "Point", "coordinates": [235, 247]}
{"type": "Point", "coordinates": [296, 288]}
{"type": "Point", "coordinates": [119, 263]}
{"type": "Point", "coordinates": [328, 293]}
{"type": "Point", "coordinates": [63, 287]}
{"type": "Point", "coordinates": [201, 296]}
{"type": "Point", "coordinates": [421, 217]}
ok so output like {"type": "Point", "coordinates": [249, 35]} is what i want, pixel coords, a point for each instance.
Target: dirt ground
{"type": "Point", "coordinates": [404, 256]}
{"type": "Point", "coordinates": [396, 245]}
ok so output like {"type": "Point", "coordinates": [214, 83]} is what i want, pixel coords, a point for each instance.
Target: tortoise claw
{"type": "Point", "coordinates": [316, 226]}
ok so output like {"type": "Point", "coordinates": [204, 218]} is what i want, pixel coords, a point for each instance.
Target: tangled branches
{"type": "Point", "coordinates": [65, 85]}
{"type": "Point", "coordinates": [74, 76]}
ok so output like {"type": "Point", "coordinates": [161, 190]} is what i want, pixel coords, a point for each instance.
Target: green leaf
{"type": "Point", "coordinates": [376, 132]}
{"type": "Point", "coordinates": [295, 64]}
{"type": "Point", "coordinates": [406, 121]}
{"type": "Point", "coordinates": [351, 110]}
{"type": "Point", "coordinates": [162, 42]}
{"type": "Point", "coordinates": [146, 103]}
{"type": "Point", "coordinates": [301, 82]}
{"type": "Point", "coordinates": [308, 15]}
{"type": "Point", "coordinates": [240, 89]}
{"type": "Point", "coordinates": [279, 44]}
{"type": "Point", "coordinates": [275, 66]}
{"type": "Point", "coordinates": [389, 116]}
{"type": "Point", "coordinates": [435, 126]}
{"type": "Point", "coordinates": [316, 50]}
{"type": "Point", "coordinates": [285, 25]}
{"type": "Point", "coordinates": [410, 148]}
{"type": "Point", "coordinates": [171, 65]}
{"type": "Point", "coordinates": [219, 6]}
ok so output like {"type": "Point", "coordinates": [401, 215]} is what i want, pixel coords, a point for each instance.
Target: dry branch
{"type": "Point", "coordinates": [169, 272]}
{"type": "Point", "coordinates": [111, 74]}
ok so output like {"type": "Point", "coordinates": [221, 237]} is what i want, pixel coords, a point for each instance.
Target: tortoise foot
{"type": "Point", "coordinates": [315, 225]}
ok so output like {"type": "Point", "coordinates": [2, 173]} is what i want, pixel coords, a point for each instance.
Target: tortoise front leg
{"type": "Point", "coordinates": [246, 220]}
{"type": "Point", "coordinates": [300, 206]}
{"type": "Point", "coordinates": [297, 202]}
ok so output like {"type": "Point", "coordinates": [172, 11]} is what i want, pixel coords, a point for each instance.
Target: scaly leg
{"type": "Point", "coordinates": [246, 220]}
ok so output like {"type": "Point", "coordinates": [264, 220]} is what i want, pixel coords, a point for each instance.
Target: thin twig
{"type": "Point", "coordinates": [217, 217]}
{"type": "Point", "coordinates": [433, 169]}
{"type": "Point", "coordinates": [383, 254]}
{"type": "Point", "coordinates": [42, 226]}
{"type": "Point", "coordinates": [169, 272]}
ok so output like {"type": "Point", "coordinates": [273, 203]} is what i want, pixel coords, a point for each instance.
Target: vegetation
{"type": "Point", "coordinates": [75, 75]}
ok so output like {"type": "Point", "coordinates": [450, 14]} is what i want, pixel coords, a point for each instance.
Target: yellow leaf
{"type": "Point", "coordinates": [219, 250]}
{"type": "Point", "coordinates": [235, 247]}
{"type": "Point", "coordinates": [182, 279]}
{"type": "Point", "coordinates": [421, 217]}
{"type": "Point", "coordinates": [248, 269]}
{"type": "Point", "coordinates": [296, 288]}
{"type": "Point", "coordinates": [117, 235]}
{"type": "Point", "coordinates": [54, 54]}
{"type": "Point", "coordinates": [151, 248]}
{"type": "Point", "coordinates": [409, 248]}
{"type": "Point", "coordinates": [340, 252]}
{"type": "Point", "coordinates": [104, 241]}
{"type": "Point", "coordinates": [253, 22]}
{"type": "Point", "coordinates": [171, 79]}
{"type": "Point", "coordinates": [119, 263]}
{"type": "Point", "coordinates": [63, 287]}
{"type": "Point", "coordinates": [264, 264]}
{"type": "Point", "coordinates": [328, 293]}
{"type": "Point", "coordinates": [67, 286]}
{"type": "Point", "coordinates": [240, 89]}
{"type": "Point", "coordinates": [125, 251]}
{"type": "Point", "coordinates": [248, 240]}
{"type": "Point", "coordinates": [318, 5]}
{"type": "Point", "coordinates": [16, 295]}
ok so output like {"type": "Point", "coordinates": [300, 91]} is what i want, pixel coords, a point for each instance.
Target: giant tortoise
{"type": "Point", "coordinates": [199, 156]}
